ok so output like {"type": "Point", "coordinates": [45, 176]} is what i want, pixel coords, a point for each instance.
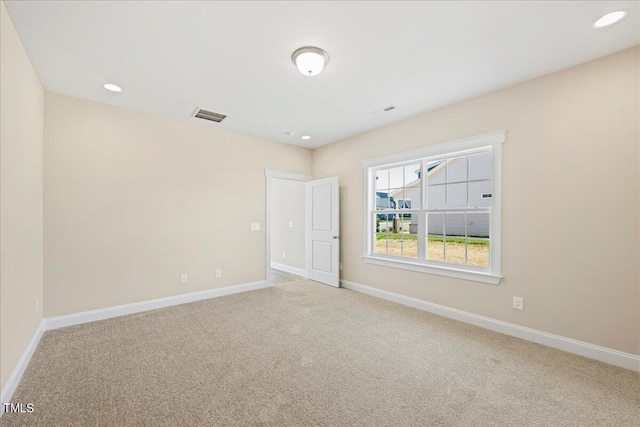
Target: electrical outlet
{"type": "Point", "coordinates": [284, 254]}
{"type": "Point", "coordinates": [290, 224]}
{"type": "Point", "coordinates": [184, 278]}
{"type": "Point", "coordinates": [218, 273]}
{"type": "Point", "coordinates": [255, 226]}
{"type": "Point", "coordinates": [518, 303]}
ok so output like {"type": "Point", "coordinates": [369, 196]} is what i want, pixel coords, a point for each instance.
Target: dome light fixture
{"type": "Point", "coordinates": [306, 137]}
{"type": "Point", "coordinates": [111, 87]}
{"type": "Point", "coordinates": [610, 19]}
{"type": "Point", "coordinates": [310, 60]}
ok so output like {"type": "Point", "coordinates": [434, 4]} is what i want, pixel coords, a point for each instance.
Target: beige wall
{"type": "Point", "coordinates": [570, 202]}
{"type": "Point", "coordinates": [133, 200]}
{"type": "Point", "coordinates": [288, 205]}
{"type": "Point", "coordinates": [21, 139]}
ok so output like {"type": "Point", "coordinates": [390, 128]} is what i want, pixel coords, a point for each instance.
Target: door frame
{"type": "Point", "coordinates": [269, 175]}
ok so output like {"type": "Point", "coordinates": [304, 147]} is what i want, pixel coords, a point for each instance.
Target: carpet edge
{"type": "Point", "coordinates": [580, 348]}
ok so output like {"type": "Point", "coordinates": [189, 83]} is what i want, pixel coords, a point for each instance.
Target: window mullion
{"type": "Point", "coordinates": [466, 240]}
{"type": "Point", "coordinates": [423, 241]}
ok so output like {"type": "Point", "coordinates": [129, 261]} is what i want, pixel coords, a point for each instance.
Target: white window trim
{"type": "Point", "coordinates": [493, 140]}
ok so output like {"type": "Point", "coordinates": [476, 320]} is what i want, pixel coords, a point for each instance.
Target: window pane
{"type": "Point", "coordinates": [395, 235]}
{"type": "Point", "coordinates": [436, 172]}
{"type": "Point", "coordinates": [407, 199]}
{"type": "Point", "coordinates": [385, 222]}
{"type": "Point", "coordinates": [455, 238]}
{"type": "Point", "coordinates": [435, 237]}
{"type": "Point", "coordinates": [457, 169]}
{"type": "Point", "coordinates": [436, 197]}
{"type": "Point", "coordinates": [413, 223]}
{"type": "Point", "coordinates": [409, 241]}
{"type": "Point", "coordinates": [478, 252]}
{"type": "Point", "coordinates": [457, 195]}
{"type": "Point", "coordinates": [478, 247]}
{"type": "Point", "coordinates": [411, 173]}
{"type": "Point", "coordinates": [476, 190]}
{"type": "Point", "coordinates": [410, 248]}
{"type": "Point", "coordinates": [480, 166]}
{"type": "Point", "coordinates": [405, 203]}
{"type": "Point", "coordinates": [396, 177]}
{"type": "Point", "coordinates": [382, 179]}
{"type": "Point", "coordinates": [382, 228]}
{"type": "Point", "coordinates": [411, 187]}
{"type": "Point", "coordinates": [383, 200]}
{"type": "Point", "coordinates": [404, 223]}
{"type": "Point", "coordinates": [395, 196]}
{"type": "Point", "coordinates": [478, 224]}
{"type": "Point", "coordinates": [411, 199]}
{"type": "Point", "coordinates": [381, 244]}
{"type": "Point", "coordinates": [395, 223]}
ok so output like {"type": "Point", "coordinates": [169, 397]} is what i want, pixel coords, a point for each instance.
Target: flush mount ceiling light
{"type": "Point", "coordinates": [310, 60]}
{"type": "Point", "coordinates": [610, 19]}
{"type": "Point", "coordinates": [306, 137]}
{"type": "Point", "coordinates": [111, 87]}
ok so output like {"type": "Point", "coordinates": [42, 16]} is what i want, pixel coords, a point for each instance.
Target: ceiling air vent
{"type": "Point", "coordinates": [209, 115]}
{"type": "Point", "coordinates": [384, 110]}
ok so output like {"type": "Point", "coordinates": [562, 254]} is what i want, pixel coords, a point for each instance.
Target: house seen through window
{"type": "Point", "coordinates": [436, 210]}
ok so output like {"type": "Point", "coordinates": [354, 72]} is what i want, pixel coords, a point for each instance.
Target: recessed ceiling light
{"type": "Point", "coordinates": [610, 19]}
{"type": "Point", "coordinates": [306, 137]}
{"type": "Point", "coordinates": [111, 87]}
{"type": "Point", "coordinates": [310, 60]}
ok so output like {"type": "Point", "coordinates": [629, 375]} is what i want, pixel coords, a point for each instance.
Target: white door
{"type": "Point", "coordinates": [322, 231]}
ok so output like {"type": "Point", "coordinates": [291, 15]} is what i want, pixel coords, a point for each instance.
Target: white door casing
{"type": "Point", "coordinates": [323, 231]}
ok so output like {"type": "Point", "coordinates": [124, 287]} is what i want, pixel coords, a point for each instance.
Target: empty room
{"type": "Point", "coordinates": [300, 213]}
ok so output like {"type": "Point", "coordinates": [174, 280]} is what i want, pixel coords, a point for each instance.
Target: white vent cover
{"type": "Point", "coordinates": [209, 115]}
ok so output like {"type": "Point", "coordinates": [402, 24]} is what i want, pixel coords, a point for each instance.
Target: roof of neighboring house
{"type": "Point", "coordinates": [431, 170]}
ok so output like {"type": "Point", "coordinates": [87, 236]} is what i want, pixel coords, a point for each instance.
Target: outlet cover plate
{"type": "Point", "coordinates": [518, 303]}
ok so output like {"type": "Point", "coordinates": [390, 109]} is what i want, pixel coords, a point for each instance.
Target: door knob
{"type": "Point", "coordinates": [336, 237]}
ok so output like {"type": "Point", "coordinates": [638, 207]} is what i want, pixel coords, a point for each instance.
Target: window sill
{"type": "Point", "coordinates": [476, 276]}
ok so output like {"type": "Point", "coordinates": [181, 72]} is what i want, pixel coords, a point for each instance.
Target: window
{"type": "Point", "coordinates": [437, 209]}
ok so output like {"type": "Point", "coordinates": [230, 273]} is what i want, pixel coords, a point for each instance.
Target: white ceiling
{"type": "Point", "coordinates": [235, 57]}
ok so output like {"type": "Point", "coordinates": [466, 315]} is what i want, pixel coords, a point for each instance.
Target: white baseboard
{"type": "Point", "coordinates": [16, 375]}
{"type": "Point", "coordinates": [107, 313]}
{"type": "Point", "coordinates": [603, 354]}
{"type": "Point", "coordinates": [289, 269]}
{"type": "Point", "coordinates": [138, 307]}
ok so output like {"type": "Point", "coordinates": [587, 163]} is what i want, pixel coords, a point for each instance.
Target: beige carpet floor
{"type": "Point", "coordinates": [303, 354]}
